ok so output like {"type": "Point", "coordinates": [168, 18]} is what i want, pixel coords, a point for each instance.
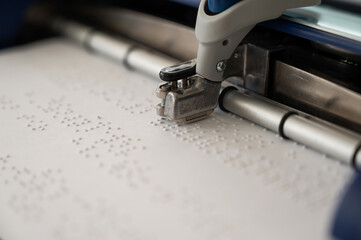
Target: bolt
{"type": "Point", "coordinates": [174, 85]}
{"type": "Point", "coordinates": [237, 55]}
{"type": "Point", "coordinates": [184, 83]}
{"type": "Point", "coordinates": [221, 66]}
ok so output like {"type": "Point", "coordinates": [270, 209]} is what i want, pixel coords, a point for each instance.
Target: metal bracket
{"type": "Point", "coordinates": [188, 100]}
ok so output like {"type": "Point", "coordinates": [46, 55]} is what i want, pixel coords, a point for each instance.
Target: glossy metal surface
{"type": "Point", "coordinates": [168, 37]}
{"type": "Point", "coordinates": [118, 49]}
{"type": "Point", "coordinates": [323, 97]}
{"type": "Point", "coordinates": [251, 63]}
{"type": "Point", "coordinates": [253, 109]}
{"type": "Point", "coordinates": [317, 134]}
{"type": "Point", "coordinates": [188, 100]}
{"type": "Point", "coordinates": [332, 141]}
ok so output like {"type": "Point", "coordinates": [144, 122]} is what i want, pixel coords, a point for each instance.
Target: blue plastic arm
{"type": "Point", "coordinates": [217, 6]}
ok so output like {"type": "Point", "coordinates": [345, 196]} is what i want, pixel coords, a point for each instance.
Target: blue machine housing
{"type": "Point", "coordinates": [217, 6]}
{"type": "Point", "coordinates": [347, 224]}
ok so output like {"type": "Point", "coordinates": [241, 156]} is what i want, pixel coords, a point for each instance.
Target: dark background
{"type": "Point", "coordinates": [15, 31]}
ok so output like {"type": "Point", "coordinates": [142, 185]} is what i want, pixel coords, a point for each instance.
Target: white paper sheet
{"type": "Point", "coordinates": [84, 156]}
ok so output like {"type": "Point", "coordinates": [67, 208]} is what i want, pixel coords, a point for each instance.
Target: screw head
{"type": "Point", "coordinates": [221, 66]}
{"type": "Point", "coordinates": [237, 55]}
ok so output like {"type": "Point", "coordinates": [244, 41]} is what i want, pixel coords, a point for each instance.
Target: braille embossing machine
{"type": "Point", "coordinates": [291, 66]}
{"type": "Point", "coordinates": [278, 73]}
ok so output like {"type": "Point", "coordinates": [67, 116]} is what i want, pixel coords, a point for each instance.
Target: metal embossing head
{"type": "Point", "coordinates": [186, 97]}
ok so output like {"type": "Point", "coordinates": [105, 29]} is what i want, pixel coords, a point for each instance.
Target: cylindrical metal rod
{"type": "Point", "coordinates": [115, 48]}
{"type": "Point", "coordinates": [317, 134]}
{"type": "Point", "coordinates": [326, 139]}
{"type": "Point", "coordinates": [253, 109]}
